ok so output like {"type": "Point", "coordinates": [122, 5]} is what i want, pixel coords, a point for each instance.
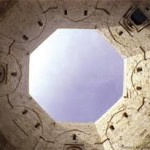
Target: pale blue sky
{"type": "Point", "coordinates": [76, 75]}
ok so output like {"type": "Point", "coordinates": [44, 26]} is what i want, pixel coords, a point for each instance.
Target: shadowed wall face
{"type": "Point", "coordinates": [5, 5]}
{"type": "Point", "coordinates": [76, 75]}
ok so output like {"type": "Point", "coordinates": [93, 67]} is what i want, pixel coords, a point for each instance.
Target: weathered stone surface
{"type": "Point", "coordinates": [24, 25]}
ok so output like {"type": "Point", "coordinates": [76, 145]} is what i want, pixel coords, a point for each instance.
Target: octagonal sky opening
{"type": "Point", "coordinates": [76, 75]}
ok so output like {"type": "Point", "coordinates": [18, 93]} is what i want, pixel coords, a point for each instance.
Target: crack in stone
{"type": "Point", "coordinates": [108, 126]}
{"type": "Point", "coordinates": [8, 100]}
{"type": "Point", "coordinates": [50, 8]}
{"type": "Point", "coordinates": [101, 142]}
{"type": "Point", "coordinates": [19, 127]}
{"type": "Point", "coordinates": [47, 141]}
{"type": "Point", "coordinates": [141, 48]}
{"type": "Point", "coordinates": [143, 102]}
{"type": "Point", "coordinates": [10, 46]}
{"type": "Point", "coordinates": [103, 9]}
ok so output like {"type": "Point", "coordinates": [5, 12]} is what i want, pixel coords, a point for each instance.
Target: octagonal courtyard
{"type": "Point", "coordinates": [24, 124]}
{"type": "Point", "coordinates": [76, 75]}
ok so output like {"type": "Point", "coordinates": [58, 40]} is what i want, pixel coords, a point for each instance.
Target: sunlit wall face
{"type": "Point", "coordinates": [76, 75]}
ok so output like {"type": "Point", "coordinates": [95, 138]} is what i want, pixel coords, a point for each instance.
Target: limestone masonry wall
{"type": "Point", "coordinates": [24, 24]}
